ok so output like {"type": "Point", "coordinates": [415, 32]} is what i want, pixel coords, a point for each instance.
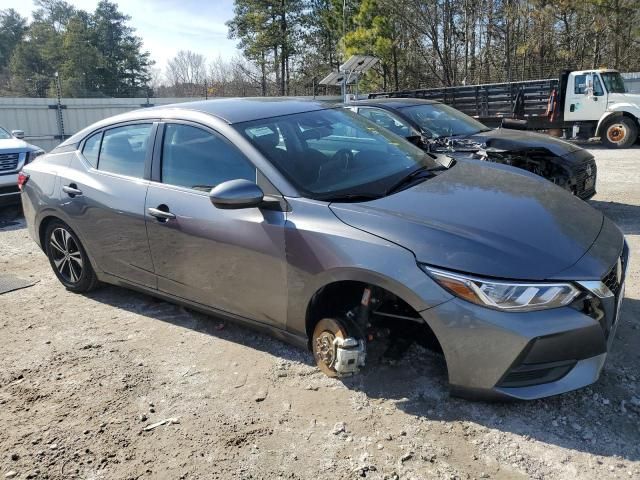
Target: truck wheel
{"type": "Point", "coordinates": [326, 331]}
{"type": "Point", "coordinates": [620, 132]}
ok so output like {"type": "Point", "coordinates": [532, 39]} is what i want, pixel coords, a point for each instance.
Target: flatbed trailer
{"type": "Point", "coordinates": [593, 100]}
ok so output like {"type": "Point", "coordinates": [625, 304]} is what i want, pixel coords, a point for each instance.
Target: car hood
{"type": "Point", "coordinates": [12, 145]}
{"type": "Point", "coordinates": [514, 140]}
{"type": "Point", "coordinates": [485, 219]}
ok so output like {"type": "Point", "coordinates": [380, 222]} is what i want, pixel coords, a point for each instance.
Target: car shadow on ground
{"type": "Point", "coordinates": [417, 384]}
{"type": "Point", "coordinates": [600, 419]}
{"type": "Point", "coordinates": [626, 216]}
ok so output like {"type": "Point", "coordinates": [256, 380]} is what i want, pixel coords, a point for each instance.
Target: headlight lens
{"type": "Point", "coordinates": [510, 296]}
{"type": "Point", "coordinates": [33, 154]}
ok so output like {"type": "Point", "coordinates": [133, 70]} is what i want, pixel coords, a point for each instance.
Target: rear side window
{"type": "Point", "coordinates": [195, 158]}
{"type": "Point", "coordinates": [91, 149]}
{"type": "Point", "coordinates": [124, 150]}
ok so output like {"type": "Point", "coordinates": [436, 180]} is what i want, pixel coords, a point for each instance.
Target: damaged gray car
{"type": "Point", "coordinates": [332, 233]}
{"type": "Point", "coordinates": [439, 128]}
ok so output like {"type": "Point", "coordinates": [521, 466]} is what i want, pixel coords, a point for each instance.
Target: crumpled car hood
{"type": "Point", "coordinates": [485, 219]}
{"type": "Point", "coordinates": [514, 140]}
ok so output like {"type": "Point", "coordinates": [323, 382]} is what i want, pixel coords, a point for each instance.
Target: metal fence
{"type": "Point", "coordinates": [47, 121]}
{"type": "Point", "coordinates": [632, 81]}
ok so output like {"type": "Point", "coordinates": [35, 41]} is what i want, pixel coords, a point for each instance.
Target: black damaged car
{"type": "Point", "coordinates": [439, 128]}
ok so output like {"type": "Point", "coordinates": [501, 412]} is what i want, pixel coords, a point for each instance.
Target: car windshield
{"type": "Point", "coordinates": [4, 135]}
{"type": "Point", "coordinates": [439, 120]}
{"type": "Point", "coordinates": [335, 153]}
{"type": "Point", "coordinates": [614, 82]}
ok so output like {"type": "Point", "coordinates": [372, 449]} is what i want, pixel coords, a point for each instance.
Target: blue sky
{"type": "Point", "coordinates": [167, 26]}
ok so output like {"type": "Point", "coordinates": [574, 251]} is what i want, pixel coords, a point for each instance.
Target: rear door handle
{"type": "Point", "coordinates": [160, 214]}
{"type": "Point", "coordinates": [72, 190]}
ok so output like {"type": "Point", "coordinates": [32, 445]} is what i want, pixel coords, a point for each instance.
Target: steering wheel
{"type": "Point", "coordinates": [344, 155]}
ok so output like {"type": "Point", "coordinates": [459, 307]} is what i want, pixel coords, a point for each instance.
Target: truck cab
{"type": "Point", "coordinates": [599, 98]}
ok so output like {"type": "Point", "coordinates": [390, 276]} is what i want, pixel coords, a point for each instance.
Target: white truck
{"type": "Point", "coordinates": [594, 100]}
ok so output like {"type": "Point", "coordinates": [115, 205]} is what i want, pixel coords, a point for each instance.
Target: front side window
{"type": "Point", "coordinates": [334, 152]}
{"type": "Point", "coordinates": [91, 149]}
{"type": "Point", "coordinates": [441, 120]}
{"type": "Point", "coordinates": [4, 135]}
{"type": "Point", "coordinates": [124, 150]}
{"type": "Point", "coordinates": [197, 159]}
{"type": "Point", "coordinates": [386, 120]}
{"type": "Point", "coordinates": [580, 85]}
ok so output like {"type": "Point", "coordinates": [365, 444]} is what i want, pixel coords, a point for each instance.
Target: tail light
{"type": "Point", "coordinates": [22, 180]}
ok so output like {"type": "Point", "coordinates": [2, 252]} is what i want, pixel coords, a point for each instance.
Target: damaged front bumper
{"type": "Point", "coordinates": [498, 355]}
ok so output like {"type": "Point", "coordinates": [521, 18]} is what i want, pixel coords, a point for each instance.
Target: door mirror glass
{"type": "Point", "coordinates": [19, 134]}
{"type": "Point", "coordinates": [236, 194]}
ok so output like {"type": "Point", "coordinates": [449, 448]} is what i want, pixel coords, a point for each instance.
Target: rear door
{"type": "Point", "coordinates": [232, 260]}
{"type": "Point", "coordinates": [103, 195]}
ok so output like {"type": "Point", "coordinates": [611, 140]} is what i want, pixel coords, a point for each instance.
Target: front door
{"type": "Point", "coordinates": [232, 260]}
{"type": "Point", "coordinates": [585, 102]}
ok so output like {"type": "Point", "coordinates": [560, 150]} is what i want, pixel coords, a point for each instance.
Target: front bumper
{"type": "Point", "coordinates": [504, 355]}
{"type": "Point", "coordinates": [9, 193]}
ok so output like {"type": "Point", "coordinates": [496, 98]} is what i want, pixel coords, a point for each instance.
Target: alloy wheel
{"type": "Point", "coordinates": [66, 255]}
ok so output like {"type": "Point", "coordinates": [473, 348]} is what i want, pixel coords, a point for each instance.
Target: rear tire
{"type": "Point", "coordinates": [68, 258]}
{"type": "Point", "coordinates": [619, 132]}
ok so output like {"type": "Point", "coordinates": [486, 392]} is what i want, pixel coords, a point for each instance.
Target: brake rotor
{"type": "Point", "coordinates": [616, 133]}
{"type": "Point", "coordinates": [322, 342]}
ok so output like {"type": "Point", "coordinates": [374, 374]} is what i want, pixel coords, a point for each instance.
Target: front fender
{"type": "Point", "coordinates": [618, 110]}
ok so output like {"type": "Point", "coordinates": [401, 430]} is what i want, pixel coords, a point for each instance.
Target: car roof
{"type": "Point", "coordinates": [237, 110]}
{"type": "Point", "coordinates": [394, 103]}
{"type": "Point", "coordinates": [229, 110]}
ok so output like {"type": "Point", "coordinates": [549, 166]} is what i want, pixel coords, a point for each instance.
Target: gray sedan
{"type": "Point", "coordinates": [333, 233]}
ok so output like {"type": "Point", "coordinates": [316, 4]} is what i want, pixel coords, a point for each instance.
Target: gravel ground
{"type": "Point", "coordinates": [84, 381]}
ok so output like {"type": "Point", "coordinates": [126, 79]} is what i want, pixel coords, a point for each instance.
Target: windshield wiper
{"type": "Point", "coordinates": [420, 173]}
{"type": "Point", "coordinates": [349, 197]}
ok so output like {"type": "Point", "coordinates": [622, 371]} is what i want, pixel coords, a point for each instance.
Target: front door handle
{"type": "Point", "coordinates": [72, 190]}
{"type": "Point", "coordinates": [161, 215]}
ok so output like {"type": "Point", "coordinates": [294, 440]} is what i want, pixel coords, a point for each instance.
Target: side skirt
{"type": "Point", "coordinates": [287, 337]}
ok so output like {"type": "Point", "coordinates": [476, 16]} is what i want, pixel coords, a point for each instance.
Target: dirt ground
{"type": "Point", "coordinates": [83, 379]}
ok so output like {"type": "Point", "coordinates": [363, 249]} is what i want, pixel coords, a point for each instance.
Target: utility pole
{"type": "Point", "coordinates": [59, 108]}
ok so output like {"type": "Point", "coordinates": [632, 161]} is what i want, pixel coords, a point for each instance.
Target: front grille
{"type": "Point", "coordinates": [8, 162]}
{"type": "Point", "coordinates": [585, 172]}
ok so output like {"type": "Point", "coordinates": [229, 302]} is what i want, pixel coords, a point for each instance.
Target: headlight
{"type": "Point", "coordinates": [509, 296]}
{"type": "Point", "coordinates": [33, 154]}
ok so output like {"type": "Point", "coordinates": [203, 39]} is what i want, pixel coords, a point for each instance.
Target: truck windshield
{"type": "Point", "coordinates": [441, 120]}
{"type": "Point", "coordinates": [614, 82]}
{"type": "Point", "coordinates": [335, 154]}
{"type": "Point", "coordinates": [4, 135]}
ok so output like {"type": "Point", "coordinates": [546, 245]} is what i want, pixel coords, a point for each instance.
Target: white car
{"type": "Point", "coordinates": [15, 153]}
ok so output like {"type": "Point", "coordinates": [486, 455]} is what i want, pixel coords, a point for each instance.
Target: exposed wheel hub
{"type": "Point", "coordinates": [325, 350]}
{"type": "Point", "coordinates": [617, 133]}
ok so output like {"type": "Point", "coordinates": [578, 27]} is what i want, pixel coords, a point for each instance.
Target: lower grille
{"type": "Point", "coordinates": [611, 279]}
{"type": "Point", "coordinates": [586, 176]}
{"type": "Point", "coordinates": [9, 162]}
{"type": "Point", "coordinates": [528, 375]}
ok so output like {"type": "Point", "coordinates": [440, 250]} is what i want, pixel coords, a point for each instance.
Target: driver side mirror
{"type": "Point", "coordinates": [19, 134]}
{"type": "Point", "coordinates": [236, 194]}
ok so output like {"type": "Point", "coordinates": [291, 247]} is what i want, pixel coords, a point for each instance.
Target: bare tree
{"type": "Point", "coordinates": [187, 73]}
